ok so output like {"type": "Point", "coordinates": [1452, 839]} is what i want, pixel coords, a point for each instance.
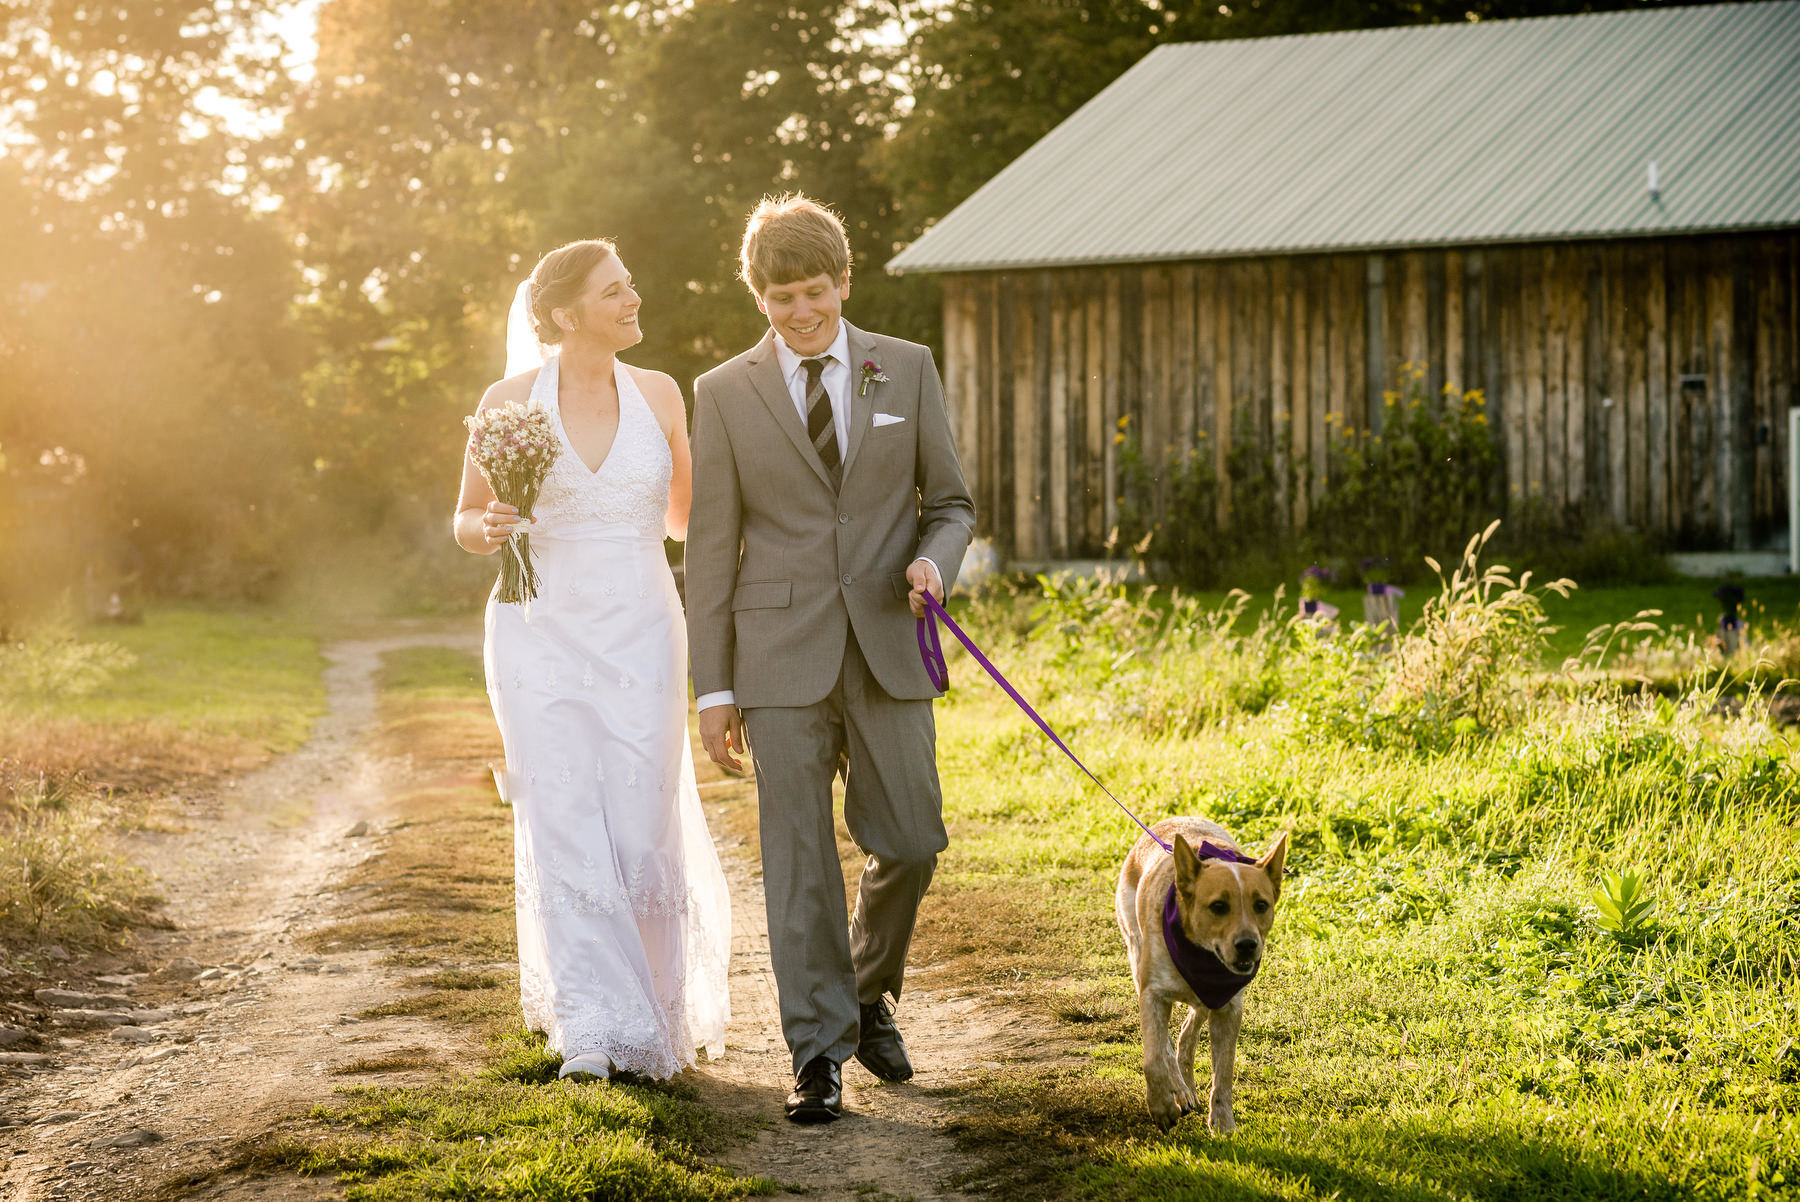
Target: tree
{"type": "Point", "coordinates": [143, 293]}
{"type": "Point", "coordinates": [444, 146]}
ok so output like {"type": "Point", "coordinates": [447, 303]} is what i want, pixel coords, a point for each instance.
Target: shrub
{"type": "Point", "coordinates": [1558, 542]}
{"type": "Point", "coordinates": [1415, 488]}
{"type": "Point", "coordinates": [1410, 491]}
{"type": "Point", "coordinates": [52, 664]}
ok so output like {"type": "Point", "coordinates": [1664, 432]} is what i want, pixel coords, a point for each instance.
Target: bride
{"type": "Point", "coordinates": [624, 917]}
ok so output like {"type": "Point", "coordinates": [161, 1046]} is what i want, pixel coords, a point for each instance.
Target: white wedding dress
{"type": "Point", "coordinates": [624, 914]}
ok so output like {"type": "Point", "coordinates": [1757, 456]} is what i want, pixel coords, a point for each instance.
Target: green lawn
{"type": "Point", "coordinates": [1443, 1015]}
{"type": "Point", "coordinates": [203, 672]}
{"type": "Point", "coordinates": [230, 672]}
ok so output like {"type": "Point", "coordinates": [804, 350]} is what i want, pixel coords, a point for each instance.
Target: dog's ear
{"type": "Point", "coordinates": [1272, 862]}
{"type": "Point", "coordinates": [1187, 865]}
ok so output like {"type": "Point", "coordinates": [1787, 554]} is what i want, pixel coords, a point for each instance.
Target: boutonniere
{"type": "Point", "coordinates": [871, 374]}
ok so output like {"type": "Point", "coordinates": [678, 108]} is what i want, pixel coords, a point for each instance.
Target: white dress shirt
{"type": "Point", "coordinates": [836, 376]}
{"type": "Point", "coordinates": [837, 386]}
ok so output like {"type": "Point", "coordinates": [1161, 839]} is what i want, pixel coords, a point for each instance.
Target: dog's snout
{"type": "Point", "coordinates": [1246, 948]}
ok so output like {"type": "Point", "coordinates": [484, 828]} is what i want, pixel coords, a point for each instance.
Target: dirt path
{"type": "Point", "coordinates": [252, 1025]}
{"type": "Point", "coordinates": [259, 1023]}
{"type": "Point", "coordinates": [890, 1142]}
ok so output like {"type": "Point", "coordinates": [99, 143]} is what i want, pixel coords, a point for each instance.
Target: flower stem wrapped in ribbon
{"type": "Point", "coordinates": [514, 445]}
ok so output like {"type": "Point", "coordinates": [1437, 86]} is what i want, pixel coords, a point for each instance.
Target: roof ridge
{"type": "Point", "coordinates": [1413, 27]}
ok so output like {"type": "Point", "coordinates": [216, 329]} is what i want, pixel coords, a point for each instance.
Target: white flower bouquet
{"type": "Point", "coordinates": [514, 445]}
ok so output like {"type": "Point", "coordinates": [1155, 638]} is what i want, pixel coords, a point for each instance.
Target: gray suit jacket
{"type": "Point", "coordinates": [779, 567]}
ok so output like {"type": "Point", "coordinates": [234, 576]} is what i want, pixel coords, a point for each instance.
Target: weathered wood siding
{"type": "Point", "coordinates": [1645, 381]}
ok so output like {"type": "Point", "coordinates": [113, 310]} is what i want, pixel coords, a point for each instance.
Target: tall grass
{"type": "Point", "coordinates": [1447, 1010]}
{"type": "Point", "coordinates": [60, 880]}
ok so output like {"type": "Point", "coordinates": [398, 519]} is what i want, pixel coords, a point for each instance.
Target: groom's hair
{"type": "Point", "coordinates": [791, 238]}
{"type": "Point", "coordinates": [557, 281]}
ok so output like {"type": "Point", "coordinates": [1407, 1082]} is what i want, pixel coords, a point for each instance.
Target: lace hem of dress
{"type": "Point", "coordinates": [645, 1040]}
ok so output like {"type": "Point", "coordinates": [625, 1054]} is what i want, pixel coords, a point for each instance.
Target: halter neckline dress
{"type": "Point", "coordinates": [623, 911]}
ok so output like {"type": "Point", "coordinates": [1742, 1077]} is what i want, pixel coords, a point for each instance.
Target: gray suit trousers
{"type": "Point", "coordinates": [893, 807]}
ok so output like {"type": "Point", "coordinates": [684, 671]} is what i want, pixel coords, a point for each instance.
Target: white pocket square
{"type": "Point", "coordinates": [887, 419]}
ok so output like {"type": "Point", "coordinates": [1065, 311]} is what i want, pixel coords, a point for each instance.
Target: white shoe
{"type": "Point", "coordinates": [590, 1066]}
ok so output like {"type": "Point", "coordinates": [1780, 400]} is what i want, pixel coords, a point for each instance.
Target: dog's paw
{"type": "Point", "coordinates": [1167, 1108]}
{"type": "Point", "coordinates": [1220, 1121]}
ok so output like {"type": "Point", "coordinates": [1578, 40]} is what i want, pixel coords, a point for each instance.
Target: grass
{"type": "Point", "coordinates": [61, 882]}
{"type": "Point", "coordinates": [199, 694]}
{"type": "Point", "coordinates": [398, 1060]}
{"type": "Point", "coordinates": [555, 1142]}
{"type": "Point", "coordinates": [439, 897]}
{"type": "Point", "coordinates": [240, 673]}
{"type": "Point", "coordinates": [95, 724]}
{"type": "Point", "coordinates": [1444, 1014]}
{"type": "Point", "coordinates": [1687, 605]}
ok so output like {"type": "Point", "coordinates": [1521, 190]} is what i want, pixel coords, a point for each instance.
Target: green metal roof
{"type": "Point", "coordinates": [1484, 132]}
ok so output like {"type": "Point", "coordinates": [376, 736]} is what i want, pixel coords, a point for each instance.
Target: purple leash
{"type": "Point", "coordinates": [932, 652]}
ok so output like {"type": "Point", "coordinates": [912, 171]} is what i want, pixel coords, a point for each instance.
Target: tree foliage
{"type": "Point", "coordinates": [142, 299]}
{"type": "Point", "coordinates": [247, 309]}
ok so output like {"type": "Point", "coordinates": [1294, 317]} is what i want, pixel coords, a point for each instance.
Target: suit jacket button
{"type": "Point", "coordinates": [842, 518]}
{"type": "Point", "coordinates": [847, 580]}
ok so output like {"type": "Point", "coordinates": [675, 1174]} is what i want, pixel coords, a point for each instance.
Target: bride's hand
{"type": "Point", "coordinates": [499, 521]}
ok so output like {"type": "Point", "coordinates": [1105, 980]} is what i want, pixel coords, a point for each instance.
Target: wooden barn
{"type": "Point", "coordinates": [1594, 220]}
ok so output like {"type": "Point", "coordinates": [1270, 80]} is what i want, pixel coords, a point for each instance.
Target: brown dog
{"type": "Point", "coordinates": [1202, 946]}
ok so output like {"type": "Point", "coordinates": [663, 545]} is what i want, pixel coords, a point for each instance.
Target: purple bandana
{"type": "Point", "coordinates": [1213, 983]}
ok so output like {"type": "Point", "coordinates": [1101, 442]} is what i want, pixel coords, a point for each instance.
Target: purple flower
{"type": "Point", "coordinates": [871, 374]}
{"type": "Point", "coordinates": [1315, 579]}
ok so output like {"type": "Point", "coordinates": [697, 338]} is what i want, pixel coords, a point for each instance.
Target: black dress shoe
{"type": "Point", "coordinates": [879, 1047]}
{"type": "Point", "coordinates": [818, 1095]}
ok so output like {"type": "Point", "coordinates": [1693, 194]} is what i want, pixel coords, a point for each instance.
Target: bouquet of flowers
{"type": "Point", "coordinates": [514, 446]}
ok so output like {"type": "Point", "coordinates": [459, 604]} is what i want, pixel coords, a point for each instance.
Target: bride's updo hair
{"type": "Point", "coordinates": [557, 281]}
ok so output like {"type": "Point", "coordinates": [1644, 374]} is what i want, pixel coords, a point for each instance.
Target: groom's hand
{"type": "Point", "coordinates": [722, 732]}
{"type": "Point", "coordinates": [924, 579]}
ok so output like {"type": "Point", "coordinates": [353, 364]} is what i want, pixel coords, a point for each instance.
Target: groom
{"type": "Point", "coordinates": [827, 502]}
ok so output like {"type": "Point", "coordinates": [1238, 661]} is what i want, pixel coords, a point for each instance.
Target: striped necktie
{"type": "Point", "coordinates": [819, 426]}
